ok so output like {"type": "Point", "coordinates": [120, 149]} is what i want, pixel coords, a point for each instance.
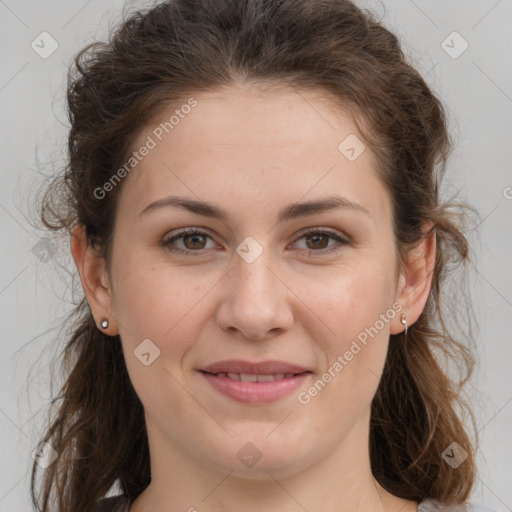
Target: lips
{"type": "Point", "coordinates": [238, 366]}
{"type": "Point", "coordinates": [250, 377]}
{"type": "Point", "coordinates": [249, 382]}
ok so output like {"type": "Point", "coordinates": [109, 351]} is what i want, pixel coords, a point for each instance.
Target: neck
{"type": "Point", "coordinates": [341, 481]}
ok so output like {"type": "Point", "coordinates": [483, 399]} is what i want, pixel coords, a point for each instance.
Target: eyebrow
{"type": "Point", "coordinates": [292, 211]}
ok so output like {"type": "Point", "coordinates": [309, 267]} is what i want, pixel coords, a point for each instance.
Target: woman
{"type": "Point", "coordinates": [252, 199]}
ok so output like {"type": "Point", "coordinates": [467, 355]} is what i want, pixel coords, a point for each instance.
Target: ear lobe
{"type": "Point", "coordinates": [416, 279]}
{"type": "Point", "coordinates": [94, 278]}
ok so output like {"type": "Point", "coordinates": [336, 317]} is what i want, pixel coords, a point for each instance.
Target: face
{"type": "Point", "coordinates": [311, 289]}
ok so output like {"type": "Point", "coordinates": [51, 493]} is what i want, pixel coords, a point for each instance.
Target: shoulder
{"type": "Point", "coordinates": [113, 504]}
{"type": "Point", "coordinates": [437, 506]}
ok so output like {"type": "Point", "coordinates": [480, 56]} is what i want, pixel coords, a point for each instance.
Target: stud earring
{"type": "Point", "coordinates": [403, 321]}
{"type": "Point", "coordinates": [104, 323]}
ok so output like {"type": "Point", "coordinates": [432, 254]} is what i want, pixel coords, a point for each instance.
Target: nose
{"type": "Point", "coordinates": [255, 300]}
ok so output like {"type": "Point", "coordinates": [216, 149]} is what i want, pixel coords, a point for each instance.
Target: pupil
{"type": "Point", "coordinates": [316, 237]}
{"type": "Point", "coordinates": [194, 238]}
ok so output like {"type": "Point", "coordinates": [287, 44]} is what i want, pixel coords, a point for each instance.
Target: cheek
{"type": "Point", "coordinates": [153, 300]}
{"type": "Point", "coordinates": [350, 300]}
{"type": "Point", "coordinates": [153, 304]}
{"type": "Point", "coordinates": [356, 308]}
{"type": "Point", "coordinates": [164, 306]}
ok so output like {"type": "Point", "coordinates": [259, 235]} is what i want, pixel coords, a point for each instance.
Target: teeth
{"type": "Point", "coordinates": [266, 378]}
{"type": "Point", "coordinates": [248, 377]}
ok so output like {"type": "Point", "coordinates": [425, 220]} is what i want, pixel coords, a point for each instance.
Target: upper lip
{"type": "Point", "coordinates": [270, 367]}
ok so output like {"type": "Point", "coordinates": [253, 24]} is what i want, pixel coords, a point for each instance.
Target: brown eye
{"type": "Point", "coordinates": [191, 241]}
{"type": "Point", "coordinates": [194, 241]}
{"type": "Point", "coordinates": [319, 242]}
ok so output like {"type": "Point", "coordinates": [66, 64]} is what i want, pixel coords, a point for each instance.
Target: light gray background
{"type": "Point", "coordinates": [476, 87]}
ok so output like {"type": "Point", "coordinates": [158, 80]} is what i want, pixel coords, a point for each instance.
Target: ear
{"type": "Point", "coordinates": [416, 279]}
{"type": "Point", "coordinates": [95, 280]}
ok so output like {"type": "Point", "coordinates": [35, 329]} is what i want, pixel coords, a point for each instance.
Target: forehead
{"type": "Point", "coordinates": [248, 116]}
{"type": "Point", "coordinates": [255, 139]}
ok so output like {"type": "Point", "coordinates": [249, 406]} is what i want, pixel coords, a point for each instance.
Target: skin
{"type": "Point", "coordinates": [252, 152]}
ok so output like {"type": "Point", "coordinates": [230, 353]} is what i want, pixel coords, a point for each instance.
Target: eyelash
{"type": "Point", "coordinates": [313, 231]}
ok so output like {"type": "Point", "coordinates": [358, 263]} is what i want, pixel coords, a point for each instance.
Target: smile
{"type": "Point", "coordinates": [255, 388]}
{"type": "Point", "coordinates": [249, 377]}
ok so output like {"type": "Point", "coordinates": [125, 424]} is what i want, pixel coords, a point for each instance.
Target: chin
{"type": "Point", "coordinates": [253, 456]}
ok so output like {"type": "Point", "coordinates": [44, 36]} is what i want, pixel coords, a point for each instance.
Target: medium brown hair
{"type": "Point", "coordinates": [177, 48]}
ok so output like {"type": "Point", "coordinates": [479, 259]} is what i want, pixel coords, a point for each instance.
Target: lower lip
{"type": "Point", "coordinates": [255, 392]}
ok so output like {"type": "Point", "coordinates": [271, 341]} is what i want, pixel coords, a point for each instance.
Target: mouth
{"type": "Point", "coordinates": [253, 383]}
{"type": "Point", "coordinates": [242, 367]}
{"type": "Point", "coordinates": [251, 377]}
